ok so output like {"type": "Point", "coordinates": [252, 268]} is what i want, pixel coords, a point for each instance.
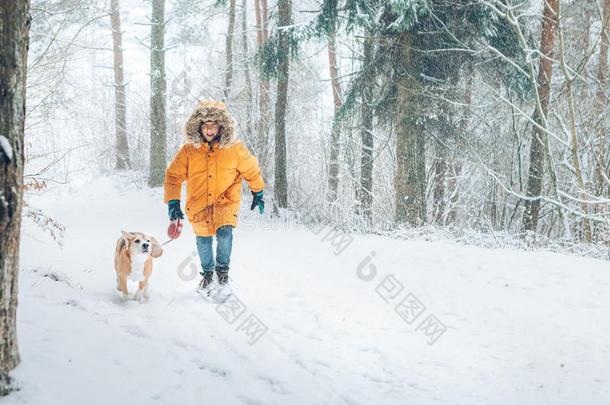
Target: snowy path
{"type": "Point", "coordinates": [522, 327]}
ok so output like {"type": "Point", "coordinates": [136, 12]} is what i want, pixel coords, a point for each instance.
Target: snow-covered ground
{"type": "Point", "coordinates": [319, 318]}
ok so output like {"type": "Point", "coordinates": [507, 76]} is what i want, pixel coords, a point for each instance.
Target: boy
{"type": "Point", "coordinates": [212, 161]}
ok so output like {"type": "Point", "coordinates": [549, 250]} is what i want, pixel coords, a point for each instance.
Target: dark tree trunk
{"type": "Point", "coordinates": [539, 139]}
{"type": "Point", "coordinates": [410, 177]}
{"type": "Point", "coordinates": [14, 41]}
{"type": "Point", "coordinates": [366, 133]}
{"type": "Point", "coordinates": [281, 182]}
{"type": "Point", "coordinates": [120, 106]}
{"type": "Point", "coordinates": [157, 95]}
{"type": "Point", "coordinates": [229, 52]}
{"type": "Point", "coordinates": [333, 170]}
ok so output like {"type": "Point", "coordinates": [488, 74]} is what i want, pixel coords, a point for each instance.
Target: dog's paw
{"type": "Point", "coordinates": [140, 296]}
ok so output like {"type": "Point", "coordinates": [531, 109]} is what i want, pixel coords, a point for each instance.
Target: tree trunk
{"type": "Point", "coordinates": [120, 105]}
{"type": "Point", "coordinates": [410, 177]}
{"type": "Point", "coordinates": [573, 132]}
{"type": "Point", "coordinates": [333, 172]}
{"type": "Point", "coordinates": [281, 182]}
{"type": "Point", "coordinates": [259, 23]}
{"type": "Point", "coordinates": [157, 95]}
{"type": "Point", "coordinates": [229, 52]}
{"type": "Point", "coordinates": [249, 99]}
{"type": "Point", "coordinates": [456, 165]}
{"type": "Point", "coordinates": [601, 168]}
{"type": "Point", "coordinates": [588, 13]}
{"type": "Point", "coordinates": [366, 132]}
{"type": "Point", "coordinates": [440, 175]}
{"type": "Point", "coordinates": [539, 139]}
{"type": "Point", "coordinates": [14, 41]}
{"type": "Point", "coordinates": [264, 94]}
{"type": "Point", "coordinates": [443, 134]}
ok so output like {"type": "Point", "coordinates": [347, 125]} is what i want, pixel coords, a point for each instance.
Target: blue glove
{"type": "Point", "coordinates": [174, 211]}
{"type": "Point", "coordinates": [258, 201]}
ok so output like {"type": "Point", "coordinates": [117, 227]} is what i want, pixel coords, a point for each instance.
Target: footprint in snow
{"type": "Point", "coordinates": [274, 384]}
{"type": "Point", "coordinates": [135, 331]}
{"type": "Point", "coordinates": [214, 370]}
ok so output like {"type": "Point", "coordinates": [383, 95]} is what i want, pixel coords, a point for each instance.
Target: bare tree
{"type": "Point", "coordinates": [158, 137]}
{"type": "Point", "coordinates": [264, 89]}
{"type": "Point", "coordinates": [120, 106]}
{"type": "Point", "coordinates": [333, 172]}
{"type": "Point", "coordinates": [249, 97]}
{"type": "Point", "coordinates": [601, 171]}
{"type": "Point", "coordinates": [587, 6]}
{"type": "Point", "coordinates": [539, 142]}
{"type": "Point", "coordinates": [569, 79]}
{"type": "Point", "coordinates": [229, 52]}
{"type": "Point", "coordinates": [14, 42]}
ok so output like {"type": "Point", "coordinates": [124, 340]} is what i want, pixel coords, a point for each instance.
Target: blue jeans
{"type": "Point", "coordinates": [224, 242]}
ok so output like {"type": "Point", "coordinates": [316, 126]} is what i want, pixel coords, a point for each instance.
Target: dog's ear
{"type": "Point", "coordinates": [156, 249]}
{"type": "Point", "coordinates": [126, 237]}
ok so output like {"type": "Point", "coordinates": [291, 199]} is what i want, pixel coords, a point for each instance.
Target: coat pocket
{"type": "Point", "coordinates": [233, 194]}
{"type": "Point", "coordinates": [195, 210]}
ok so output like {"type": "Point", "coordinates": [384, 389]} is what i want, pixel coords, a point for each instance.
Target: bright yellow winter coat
{"type": "Point", "coordinates": [213, 174]}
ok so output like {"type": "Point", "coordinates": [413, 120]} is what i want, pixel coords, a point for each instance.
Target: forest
{"type": "Point", "coordinates": [477, 121]}
{"type": "Point", "coordinates": [485, 116]}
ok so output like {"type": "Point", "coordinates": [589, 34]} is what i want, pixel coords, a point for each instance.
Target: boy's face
{"type": "Point", "coordinates": [210, 129]}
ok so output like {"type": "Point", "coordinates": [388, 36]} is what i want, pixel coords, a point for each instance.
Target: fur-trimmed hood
{"type": "Point", "coordinates": [209, 110]}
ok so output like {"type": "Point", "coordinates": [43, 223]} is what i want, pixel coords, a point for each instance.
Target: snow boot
{"type": "Point", "coordinates": [224, 290]}
{"type": "Point", "coordinates": [223, 274]}
{"type": "Point", "coordinates": [206, 281]}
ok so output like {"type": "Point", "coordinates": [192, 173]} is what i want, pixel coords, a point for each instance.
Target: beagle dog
{"type": "Point", "coordinates": [133, 260]}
